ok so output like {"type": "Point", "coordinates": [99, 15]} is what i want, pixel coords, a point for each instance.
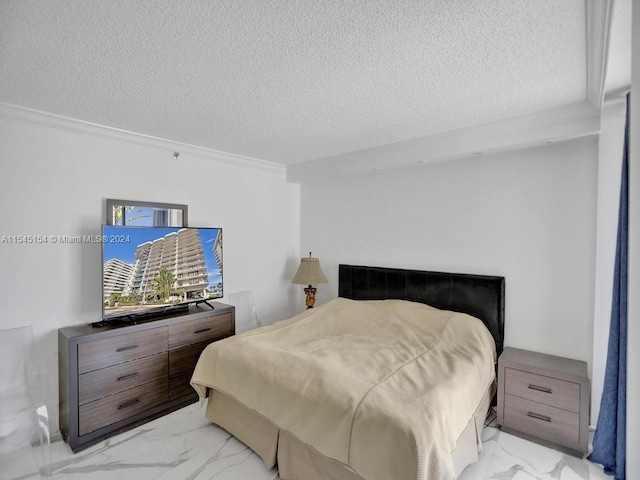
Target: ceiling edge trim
{"type": "Point", "coordinates": [599, 17]}
{"type": "Point", "coordinates": [58, 122]}
{"type": "Point", "coordinates": [616, 95]}
{"type": "Point", "coordinates": [549, 126]}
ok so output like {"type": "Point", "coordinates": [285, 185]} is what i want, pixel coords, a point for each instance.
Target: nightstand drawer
{"type": "Point", "coordinates": [122, 348]}
{"type": "Point", "coordinates": [201, 330]}
{"type": "Point", "coordinates": [114, 408]}
{"type": "Point", "coordinates": [543, 389]}
{"type": "Point", "coordinates": [110, 380]}
{"type": "Point", "coordinates": [543, 421]}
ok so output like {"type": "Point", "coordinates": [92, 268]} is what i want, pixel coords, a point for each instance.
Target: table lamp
{"type": "Point", "coordinates": [309, 273]}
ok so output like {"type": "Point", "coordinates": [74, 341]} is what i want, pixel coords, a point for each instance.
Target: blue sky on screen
{"type": "Point", "coordinates": [121, 243]}
{"type": "Point", "coordinates": [140, 217]}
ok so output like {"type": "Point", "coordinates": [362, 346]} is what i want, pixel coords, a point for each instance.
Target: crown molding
{"type": "Point", "coordinates": [599, 17]}
{"type": "Point", "coordinates": [617, 95]}
{"type": "Point", "coordinates": [549, 126]}
{"type": "Point", "coordinates": [58, 122]}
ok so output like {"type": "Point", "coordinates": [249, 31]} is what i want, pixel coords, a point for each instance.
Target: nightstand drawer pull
{"type": "Point", "coordinates": [202, 330]}
{"type": "Point", "coordinates": [540, 389]}
{"type": "Point", "coordinates": [544, 418]}
{"type": "Point", "coordinates": [127, 377]}
{"type": "Point", "coordinates": [129, 404]}
{"type": "Point", "coordinates": [124, 349]}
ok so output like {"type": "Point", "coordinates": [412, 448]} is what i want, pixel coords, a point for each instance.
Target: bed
{"type": "Point", "coordinates": [365, 386]}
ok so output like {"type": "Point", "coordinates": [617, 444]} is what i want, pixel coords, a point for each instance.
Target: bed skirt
{"type": "Point", "coordinates": [299, 461]}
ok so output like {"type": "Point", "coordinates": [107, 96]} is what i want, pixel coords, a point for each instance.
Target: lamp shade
{"type": "Point", "coordinates": [309, 272]}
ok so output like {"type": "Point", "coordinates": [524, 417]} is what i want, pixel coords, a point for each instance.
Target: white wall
{"type": "Point", "coordinates": [528, 215]}
{"type": "Point", "coordinates": [54, 182]}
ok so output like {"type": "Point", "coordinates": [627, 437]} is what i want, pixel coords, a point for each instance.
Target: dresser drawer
{"type": "Point", "coordinates": [184, 359]}
{"type": "Point", "coordinates": [112, 409]}
{"type": "Point", "coordinates": [122, 348]}
{"type": "Point", "coordinates": [543, 421]}
{"type": "Point", "coordinates": [543, 389]}
{"type": "Point", "coordinates": [114, 379]}
{"type": "Point", "coordinates": [200, 330]}
{"type": "Point", "coordinates": [180, 386]}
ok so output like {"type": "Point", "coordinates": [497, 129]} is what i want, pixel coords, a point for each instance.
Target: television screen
{"type": "Point", "coordinates": [145, 269]}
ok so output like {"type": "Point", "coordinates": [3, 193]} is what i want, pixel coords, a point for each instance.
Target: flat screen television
{"type": "Point", "coordinates": [149, 270]}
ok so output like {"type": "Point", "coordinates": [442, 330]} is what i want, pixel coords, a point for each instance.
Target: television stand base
{"type": "Point", "coordinates": [135, 318]}
{"type": "Point", "coordinates": [198, 302]}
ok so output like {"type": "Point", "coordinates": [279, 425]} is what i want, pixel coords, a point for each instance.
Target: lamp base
{"type": "Point", "coordinates": [310, 292]}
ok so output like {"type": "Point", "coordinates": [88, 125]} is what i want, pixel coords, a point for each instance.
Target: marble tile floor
{"type": "Point", "coordinates": [185, 446]}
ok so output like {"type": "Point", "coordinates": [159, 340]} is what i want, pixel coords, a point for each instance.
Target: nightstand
{"type": "Point", "coordinates": [545, 399]}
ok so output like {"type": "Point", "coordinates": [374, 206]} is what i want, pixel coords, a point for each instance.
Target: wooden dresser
{"type": "Point", "coordinates": [115, 377]}
{"type": "Point", "coordinates": [544, 398]}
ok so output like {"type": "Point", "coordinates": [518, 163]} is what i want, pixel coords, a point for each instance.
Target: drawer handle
{"type": "Point", "coordinates": [126, 377]}
{"type": "Point", "coordinates": [124, 349]}
{"type": "Point", "coordinates": [540, 389]}
{"type": "Point", "coordinates": [201, 331]}
{"type": "Point", "coordinates": [537, 416]}
{"type": "Point", "coordinates": [129, 404]}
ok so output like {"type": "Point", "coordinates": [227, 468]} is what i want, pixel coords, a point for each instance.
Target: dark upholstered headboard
{"type": "Point", "coordinates": [481, 296]}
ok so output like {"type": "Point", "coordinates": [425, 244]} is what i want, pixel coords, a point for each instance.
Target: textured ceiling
{"type": "Point", "coordinates": [291, 81]}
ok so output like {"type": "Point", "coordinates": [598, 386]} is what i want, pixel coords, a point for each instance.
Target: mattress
{"type": "Point", "coordinates": [379, 389]}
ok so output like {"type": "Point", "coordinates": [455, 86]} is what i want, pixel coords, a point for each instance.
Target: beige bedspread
{"type": "Point", "coordinates": [385, 387]}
